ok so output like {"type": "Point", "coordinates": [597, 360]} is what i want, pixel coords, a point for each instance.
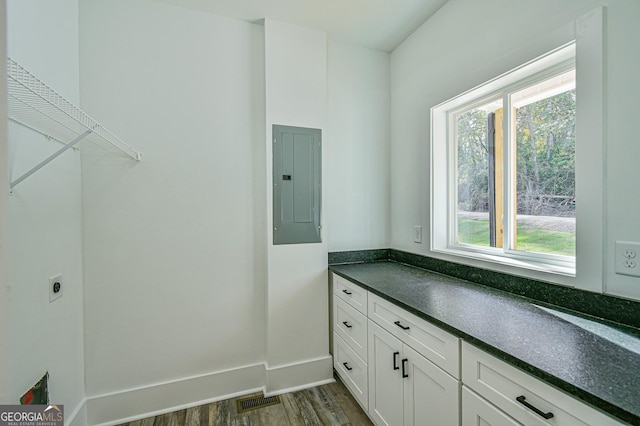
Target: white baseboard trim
{"type": "Point", "coordinates": [299, 388]}
{"type": "Point", "coordinates": [299, 375]}
{"type": "Point", "coordinates": [79, 416]}
{"type": "Point", "coordinates": [148, 401]}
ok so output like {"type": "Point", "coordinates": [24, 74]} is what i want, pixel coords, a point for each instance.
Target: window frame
{"type": "Point", "coordinates": [566, 57]}
{"type": "Point", "coordinates": [587, 34]}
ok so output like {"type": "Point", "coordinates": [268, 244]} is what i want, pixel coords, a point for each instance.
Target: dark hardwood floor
{"type": "Point", "coordinates": [330, 404]}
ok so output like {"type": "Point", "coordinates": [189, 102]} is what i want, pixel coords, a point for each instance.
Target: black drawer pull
{"type": "Point", "coordinates": [404, 368]}
{"type": "Point", "coordinates": [346, 324]}
{"type": "Point", "coordinates": [522, 400]}
{"type": "Point", "coordinates": [395, 360]}
{"type": "Point", "coordinates": [347, 292]}
{"type": "Point", "coordinates": [346, 365]}
{"type": "Point", "coordinates": [401, 326]}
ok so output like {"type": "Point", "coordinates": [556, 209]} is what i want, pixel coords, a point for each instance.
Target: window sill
{"type": "Point", "coordinates": [523, 264]}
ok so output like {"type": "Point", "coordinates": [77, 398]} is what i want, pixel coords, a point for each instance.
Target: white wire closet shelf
{"type": "Point", "coordinates": [35, 105]}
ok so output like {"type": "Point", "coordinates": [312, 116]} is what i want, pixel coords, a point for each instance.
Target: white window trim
{"type": "Point", "coordinates": [588, 33]}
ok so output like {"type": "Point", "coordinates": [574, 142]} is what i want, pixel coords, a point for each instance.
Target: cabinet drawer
{"type": "Point", "coordinates": [476, 411]}
{"type": "Point", "coordinates": [354, 295]}
{"type": "Point", "coordinates": [435, 344]}
{"type": "Point", "coordinates": [351, 325]}
{"type": "Point", "coordinates": [503, 384]}
{"type": "Point", "coordinates": [352, 370]}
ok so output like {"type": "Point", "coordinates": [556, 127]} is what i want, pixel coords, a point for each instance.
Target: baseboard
{"type": "Point", "coordinates": [78, 417]}
{"type": "Point", "coordinates": [148, 401]}
{"type": "Point", "coordinates": [299, 375]}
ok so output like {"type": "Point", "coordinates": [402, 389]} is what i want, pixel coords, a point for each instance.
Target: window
{"type": "Point", "coordinates": [503, 162]}
{"type": "Point", "coordinates": [547, 74]}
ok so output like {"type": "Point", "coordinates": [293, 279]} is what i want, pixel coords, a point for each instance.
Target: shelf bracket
{"type": "Point", "coordinates": [50, 158]}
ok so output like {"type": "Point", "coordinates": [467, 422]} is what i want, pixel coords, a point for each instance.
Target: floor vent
{"type": "Point", "coordinates": [255, 402]}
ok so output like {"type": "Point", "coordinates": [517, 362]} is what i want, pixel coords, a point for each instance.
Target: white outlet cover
{"type": "Point", "coordinates": [52, 294]}
{"type": "Point", "coordinates": [628, 258]}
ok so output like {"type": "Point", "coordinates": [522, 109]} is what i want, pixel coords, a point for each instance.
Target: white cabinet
{"type": "Point", "coordinates": [386, 384]}
{"type": "Point", "coordinates": [351, 326]}
{"type": "Point", "coordinates": [352, 369]}
{"type": "Point", "coordinates": [431, 396]}
{"type": "Point", "coordinates": [401, 369]}
{"type": "Point", "coordinates": [521, 396]}
{"type": "Point", "coordinates": [405, 388]}
{"type": "Point", "coordinates": [349, 323]}
{"type": "Point", "coordinates": [439, 346]}
{"type": "Point", "coordinates": [404, 370]}
{"type": "Point", "coordinates": [354, 295]}
{"type": "Point", "coordinates": [477, 411]}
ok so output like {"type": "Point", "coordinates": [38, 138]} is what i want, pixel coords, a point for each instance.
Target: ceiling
{"type": "Point", "coordinates": [377, 24]}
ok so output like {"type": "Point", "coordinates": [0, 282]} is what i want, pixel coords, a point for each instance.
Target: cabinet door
{"type": "Point", "coordinates": [431, 396]}
{"type": "Point", "coordinates": [435, 344]}
{"type": "Point", "coordinates": [386, 385]}
{"type": "Point", "coordinates": [478, 412]}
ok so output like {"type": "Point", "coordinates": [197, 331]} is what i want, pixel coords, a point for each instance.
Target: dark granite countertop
{"type": "Point", "coordinates": [593, 361]}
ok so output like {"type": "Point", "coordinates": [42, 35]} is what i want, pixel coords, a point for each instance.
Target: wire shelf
{"type": "Point", "coordinates": [35, 105]}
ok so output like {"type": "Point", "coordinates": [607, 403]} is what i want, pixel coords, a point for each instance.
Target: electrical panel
{"type": "Point", "coordinates": [297, 185]}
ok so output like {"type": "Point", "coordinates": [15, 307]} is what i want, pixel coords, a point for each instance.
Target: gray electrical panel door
{"type": "Point", "coordinates": [297, 185]}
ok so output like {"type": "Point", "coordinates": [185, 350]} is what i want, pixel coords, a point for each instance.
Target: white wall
{"type": "Point", "coordinates": [449, 55]}
{"type": "Point", "coordinates": [622, 193]}
{"type": "Point", "coordinates": [45, 222]}
{"type": "Point", "coordinates": [181, 277]}
{"type": "Point", "coordinates": [358, 206]}
{"type": "Point", "coordinates": [176, 248]}
{"type": "Point", "coordinates": [4, 223]}
{"type": "Point", "coordinates": [173, 245]}
{"type": "Point", "coordinates": [297, 297]}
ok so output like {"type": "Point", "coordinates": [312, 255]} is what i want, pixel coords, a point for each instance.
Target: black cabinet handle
{"type": "Point", "coordinates": [347, 292]}
{"type": "Point", "coordinates": [395, 360]}
{"type": "Point", "coordinates": [346, 365]}
{"type": "Point", "coordinates": [346, 324]}
{"type": "Point", "coordinates": [400, 325]}
{"type": "Point", "coordinates": [522, 400]}
{"type": "Point", "coordinates": [404, 368]}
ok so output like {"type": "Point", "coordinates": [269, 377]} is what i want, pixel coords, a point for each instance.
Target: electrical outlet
{"type": "Point", "coordinates": [55, 288]}
{"type": "Point", "coordinates": [627, 258]}
{"type": "Point", "coordinates": [417, 234]}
